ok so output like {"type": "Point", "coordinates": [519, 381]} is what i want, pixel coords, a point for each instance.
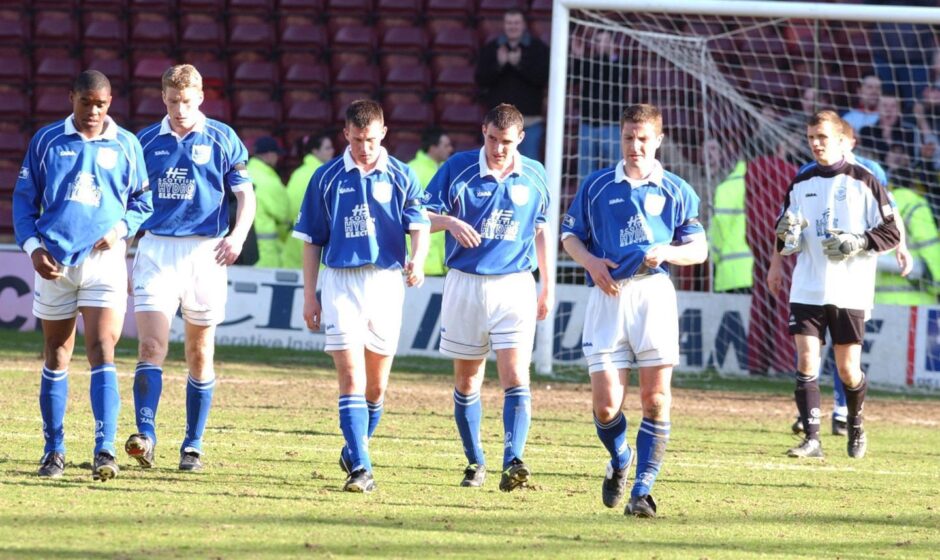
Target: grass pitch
{"type": "Point", "coordinates": [271, 488]}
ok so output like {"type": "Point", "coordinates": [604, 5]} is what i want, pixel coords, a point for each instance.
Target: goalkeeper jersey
{"type": "Point", "coordinates": [845, 197]}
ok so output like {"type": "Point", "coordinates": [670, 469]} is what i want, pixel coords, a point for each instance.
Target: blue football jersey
{"type": "Point", "coordinates": [504, 212]}
{"type": "Point", "coordinates": [621, 219]}
{"type": "Point", "coordinates": [72, 191]}
{"type": "Point", "coordinates": [190, 177]}
{"type": "Point", "coordinates": [361, 220]}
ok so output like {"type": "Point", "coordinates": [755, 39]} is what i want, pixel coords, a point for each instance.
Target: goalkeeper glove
{"type": "Point", "coordinates": [790, 231]}
{"type": "Point", "coordinates": [840, 245]}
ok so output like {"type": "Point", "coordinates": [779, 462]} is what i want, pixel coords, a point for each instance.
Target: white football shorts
{"type": "Point", "coordinates": [99, 281]}
{"type": "Point", "coordinates": [637, 328]}
{"type": "Point", "coordinates": [481, 312]}
{"type": "Point", "coordinates": [180, 272]}
{"type": "Point", "coordinates": [362, 307]}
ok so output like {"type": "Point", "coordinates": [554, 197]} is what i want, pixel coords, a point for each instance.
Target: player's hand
{"type": "Point", "coordinates": [502, 55]}
{"type": "Point", "coordinates": [599, 269]}
{"type": "Point", "coordinates": [45, 265]}
{"type": "Point", "coordinates": [312, 312]}
{"type": "Point", "coordinates": [546, 302]}
{"type": "Point", "coordinates": [905, 260]}
{"type": "Point", "coordinates": [788, 222]}
{"type": "Point", "coordinates": [414, 274]}
{"type": "Point", "coordinates": [464, 233]}
{"type": "Point", "coordinates": [657, 255]}
{"type": "Point", "coordinates": [228, 249]}
{"type": "Point", "coordinates": [775, 276]}
{"type": "Point", "coordinates": [106, 242]}
{"type": "Point", "coordinates": [514, 57]}
{"type": "Point", "coordinates": [840, 245]}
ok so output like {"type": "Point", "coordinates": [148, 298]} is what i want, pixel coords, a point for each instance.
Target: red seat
{"type": "Point", "coordinates": [771, 85]}
{"type": "Point", "coordinates": [413, 116]}
{"type": "Point", "coordinates": [255, 73]}
{"type": "Point", "coordinates": [149, 110]}
{"type": "Point", "coordinates": [763, 46]}
{"type": "Point", "coordinates": [301, 74]}
{"type": "Point", "coordinates": [152, 29]}
{"type": "Point", "coordinates": [361, 78]}
{"type": "Point", "coordinates": [103, 30]}
{"type": "Point", "coordinates": [496, 8]}
{"type": "Point", "coordinates": [149, 70]}
{"type": "Point", "coordinates": [302, 7]}
{"type": "Point", "coordinates": [8, 178]}
{"type": "Point", "coordinates": [14, 72]}
{"type": "Point", "coordinates": [406, 9]}
{"type": "Point", "coordinates": [352, 8]}
{"type": "Point", "coordinates": [354, 38]}
{"type": "Point", "coordinates": [461, 118]}
{"type": "Point", "coordinates": [113, 6]}
{"type": "Point", "coordinates": [201, 31]}
{"type": "Point", "coordinates": [414, 78]}
{"type": "Point", "coordinates": [311, 114]}
{"type": "Point", "coordinates": [55, 28]}
{"type": "Point", "coordinates": [57, 70]}
{"type": "Point", "coordinates": [459, 79]}
{"type": "Point", "coordinates": [340, 101]}
{"type": "Point", "coordinates": [114, 68]}
{"type": "Point", "coordinates": [540, 9]}
{"type": "Point", "coordinates": [6, 217]}
{"type": "Point", "coordinates": [261, 7]}
{"type": "Point", "coordinates": [216, 7]}
{"type": "Point", "coordinates": [120, 111]}
{"type": "Point", "coordinates": [50, 104]}
{"type": "Point", "coordinates": [303, 37]}
{"type": "Point", "coordinates": [457, 41]}
{"type": "Point", "coordinates": [12, 144]}
{"type": "Point", "coordinates": [403, 145]}
{"type": "Point", "coordinates": [259, 113]}
{"type": "Point", "coordinates": [214, 73]}
{"type": "Point", "coordinates": [166, 6]}
{"type": "Point", "coordinates": [251, 35]}
{"type": "Point", "coordinates": [14, 30]}
{"type": "Point", "coordinates": [456, 9]}
{"type": "Point", "coordinates": [398, 40]}
{"type": "Point", "coordinates": [218, 109]}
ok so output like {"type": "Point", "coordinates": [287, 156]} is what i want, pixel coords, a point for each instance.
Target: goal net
{"type": "Point", "coordinates": [736, 82]}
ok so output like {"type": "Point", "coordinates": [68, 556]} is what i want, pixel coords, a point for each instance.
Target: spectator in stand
{"type": "Point", "coordinates": [436, 147]}
{"type": "Point", "coordinates": [900, 54]}
{"type": "Point", "coordinates": [513, 68]}
{"type": "Point", "coordinates": [272, 219]}
{"type": "Point", "coordinates": [604, 76]}
{"type": "Point", "coordinates": [316, 150]}
{"type": "Point", "coordinates": [888, 130]}
{"type": "Point", "coordinates": [865, 112]}
{"type": "Point", "coordinates": [766, 182]}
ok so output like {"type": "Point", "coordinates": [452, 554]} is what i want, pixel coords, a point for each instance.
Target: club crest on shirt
{"type": "Point", "coordinates": [201, 153]}
{"type": "Point", "coordinates": [382, 191]}
{"type": "Point", "coordinates": [841, 193]}
{"type": "Point", "coordinates": [106, 158]}
{"type": "Point", "coordinates": [653, 204]}
{"type": "Point", "coordinates": [519, 194]}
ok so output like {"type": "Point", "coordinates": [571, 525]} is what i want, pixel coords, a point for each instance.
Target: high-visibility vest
{"type": "Point", "coordinates": [425, 168]}
{"type": "Point", "coordinates": [727, 234]}
{"type": "Point", "coordinates": [293, 255]}
{"type": "Point", "coordinates": [923, 243]}
{"type": "Point", "coordinates": [272, 216]}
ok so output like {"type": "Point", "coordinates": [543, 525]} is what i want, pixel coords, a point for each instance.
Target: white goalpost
{"type": "Point", "coordinates": [736, 81]}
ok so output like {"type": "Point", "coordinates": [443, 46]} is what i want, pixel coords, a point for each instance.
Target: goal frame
{"type": "Point", "coordinates": [557, 85]}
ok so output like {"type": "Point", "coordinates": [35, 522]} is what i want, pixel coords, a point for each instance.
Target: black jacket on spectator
{"type": "Point", "coordinates": [604, 83]}
{"type": "Point", "coordinates": [522, 85]}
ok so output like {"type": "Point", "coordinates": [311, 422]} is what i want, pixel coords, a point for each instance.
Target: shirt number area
{"type": "Point", "coordinates": [360, 223]}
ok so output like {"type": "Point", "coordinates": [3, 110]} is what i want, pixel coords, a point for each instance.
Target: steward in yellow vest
{"type": "Point", "coordinates": [272, 220]}
{"type": "Point", "coordinates": [727, 235]}
{"type": "Point", "coordinates": [922, 285]}
{"type": "Point", "coordinates": [435, 149]}
{"type": "Point", "coordinates": [317, 150]}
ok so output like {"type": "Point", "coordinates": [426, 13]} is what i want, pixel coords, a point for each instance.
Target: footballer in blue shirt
{"type": "Point", "coordinates": [81, 193]}
{"type": "Point", "coordinates": [626, 224]}
{"type": "Point", "coordinates": [194, 163]}
{"type": "Point", "coordinates": [354, 217]}
{"type": "Point", "coordinates": [493, 204]}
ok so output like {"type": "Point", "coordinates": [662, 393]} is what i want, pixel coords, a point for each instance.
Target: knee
{"type": "Point", "coordinates": [656, 404]}
{"type": "Point", "coordinates": [101, 350]}
{"type": "Point", "coordinates": [57, 356]}
{"type": "Point", "coordinates": [375, 393]}
{"type": "Point", "coordinates": [605, 413]}
{"type": "Point", "coordinates": [152, 350]}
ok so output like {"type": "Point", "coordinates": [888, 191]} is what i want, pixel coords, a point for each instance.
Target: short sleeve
{"type": "Point", "coordinates": [575, 221]}
{"type": "Point", "coordinates": [414, 215]}
{"type": "Point", "coordinates": [236, 175]}
{"type": "Point", "coordinates": [313, 222]}
{"type": "Point", "coordinates": [687, 224]}
{"type": "Point", "coordinates": [437, 195]}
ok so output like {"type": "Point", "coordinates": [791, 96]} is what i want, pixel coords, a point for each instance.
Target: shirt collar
{"type": "Point", "coordinates": [380, 165]}
{"type": "Point", "coordinates": [200, 125]}
{"type": "Point", "coordinates": [109, 132]}
{"type": "Point", "coordinates": [515, 167]}
{"type": "Point", "coordinates": [655, 177]}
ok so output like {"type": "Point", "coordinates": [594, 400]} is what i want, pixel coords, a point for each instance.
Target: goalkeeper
{"type": "Point", "coordinates": [836, 217]}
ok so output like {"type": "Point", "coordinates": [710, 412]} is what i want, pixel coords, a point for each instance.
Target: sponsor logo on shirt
{"type": "Point", "coordinates": [346, 190]}
{"type": "Point", "coordinates": [106, 158]}
{"type": "Point", "coordinates": [176, 184]}
{"type": "Point", "coordinates": [653, 204]}
{"type": "Point", "coordinates": [360, 224]}
{"type": "Point", "coordinates": [568, 221]}
{"type": "Point", "coordinates": [483, 194]}
{"type": "Point", "coordinates": [382, 191]}
{"type": "Point", "coordinates": [161, 153]}
{"type": "Point", "coordinates": [636, 232]}
{"type": "Point", "coordinates": [24, 173]}
{"type": "Point", "coordinates": [202, 153]}
{"type": "Point", "coordinates": [615, 201]}
{"type": "Point", "coordinates": [822, 224]}
{"type": "Point", "coordinates": [500, 226]}
{"type": "Point", "coordinates": [67, 153]}
{"type": "Point", "coordinates": [810, 195]}
{"type": "Point", "coordinates": [84, 190]}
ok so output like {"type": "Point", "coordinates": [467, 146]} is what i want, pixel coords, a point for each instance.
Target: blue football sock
{"type": "Point", "coordinates": [375, 414]}
{"type": "Point", "coordinates": [354, 422]}
{"type": "Point", "coordinates": [53, 396]}
{"type": "Point", "coordinates": [105, 405]}
{"type": "Point", "coordinates": [840, 406]}
{"type": "Point", "coordinates": [614, 437]}
{"type": "Point", "coordinates": [517, 416]}
{"type": "Point", "coordinates": [198, 402]}
{"type": "Point", "coordinates": [148, 384]}
{"type": "Point", "coordinates": [468, 412]}
{"type": "Point", "coordinates": [651, 439]}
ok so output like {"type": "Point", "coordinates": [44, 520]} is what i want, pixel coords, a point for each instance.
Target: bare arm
{"type": "Point", "coordinates": [596, 267]}
{"type": "Point", "coordinates": [414, 268]}
{"type": "Point", "coordinates": [693, 252]}
{"type": "Point", "coordinates": [311, 265]}
{"type": "Point", "coordinates": [459, 229]}
{"type": "Point", "coordinates": [228, 249]}
{"type": "Point", "coordinates": [547, 293]}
